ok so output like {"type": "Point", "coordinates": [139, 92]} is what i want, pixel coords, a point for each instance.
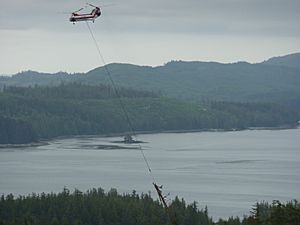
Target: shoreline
{"type": "Point", "coordinates": [26, 145]}
{"type": "Point", "coordinates": [43, 142]}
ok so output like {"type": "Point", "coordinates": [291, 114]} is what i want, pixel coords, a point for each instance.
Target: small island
{"type": "Point", "coordinates": [128, 139]}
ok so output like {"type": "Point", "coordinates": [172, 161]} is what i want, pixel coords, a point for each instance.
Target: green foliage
{"type": "Point", "coordinates": [15, 131]}
{"type": "Point", "coordinates": [265, 214]}
{"type": "Point", "coordinates": [238, 82]}
{"type": "Point", "coordinates": [95, 207]}
{"type": "Point", "coordinates": [30, 114]}
{"type": "Point", "coordinates": [231, 221]}
{"type": "Point", "coordinates": [276, 80]}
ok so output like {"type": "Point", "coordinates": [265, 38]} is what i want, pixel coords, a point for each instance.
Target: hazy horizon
{"type": "Point", "coordinates": [75, 72]}
{"type": "Point", "coordinates": [36, 35]}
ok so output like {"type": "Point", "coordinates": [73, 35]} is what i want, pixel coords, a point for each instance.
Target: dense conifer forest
{"type": "Point", "coordinates": [30, 114]}
{"type": "Point", "coordinates": [275, 80]}
{"type": "Point", "coordinates": [179, 96]}
{"type": "Point", "coordinates": [96, 207]}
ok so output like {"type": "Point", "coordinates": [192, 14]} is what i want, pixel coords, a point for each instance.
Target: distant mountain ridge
{"type": "Point", "coordinates": [292, 60]}
{"type": "Point", "coordinates": [274, 80]}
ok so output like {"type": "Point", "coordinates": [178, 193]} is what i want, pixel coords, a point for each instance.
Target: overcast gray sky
{"type": "Point", "coordinates": [36, 35]}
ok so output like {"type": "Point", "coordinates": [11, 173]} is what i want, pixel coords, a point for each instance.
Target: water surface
{"type": "Point", "coordinates": [227, 171]}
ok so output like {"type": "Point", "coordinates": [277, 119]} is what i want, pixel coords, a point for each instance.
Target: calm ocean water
{"type": "Point", "coordinates": [227, 171]}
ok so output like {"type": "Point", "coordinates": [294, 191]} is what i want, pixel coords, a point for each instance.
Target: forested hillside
{"type": "Point", "coordinates": [97, 207]}
{"type": "Point", "coordinates": [34, 113]}
{"type": "Point", "coordinates": [196, 81]}
{"type": "Point", "coordinates": [32, 78]}
{"type": "Point", "coordinates": [292, 60]}
{"type": "Point", "coordinates": [275, 80]}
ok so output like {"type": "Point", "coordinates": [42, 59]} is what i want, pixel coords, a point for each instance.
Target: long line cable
{"type": "Point", "coordinates": [161, 197]}
{"type": "Point", "coordinates": [115, 89]}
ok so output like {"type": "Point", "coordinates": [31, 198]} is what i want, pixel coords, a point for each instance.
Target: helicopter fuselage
{"type": "Point", "coordinates": [76, 17]}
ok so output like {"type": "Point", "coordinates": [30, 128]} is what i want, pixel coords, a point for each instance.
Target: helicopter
{"type": "Point", "coordinates": [76, 16]}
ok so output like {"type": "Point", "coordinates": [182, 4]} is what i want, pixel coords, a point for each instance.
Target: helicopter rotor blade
{"type": "Point", "coordinates": [107, 5]}
{"type": "Point", "coordinates": [91, 5]}
{"type": "Point", "coordinates": [78, 10]}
